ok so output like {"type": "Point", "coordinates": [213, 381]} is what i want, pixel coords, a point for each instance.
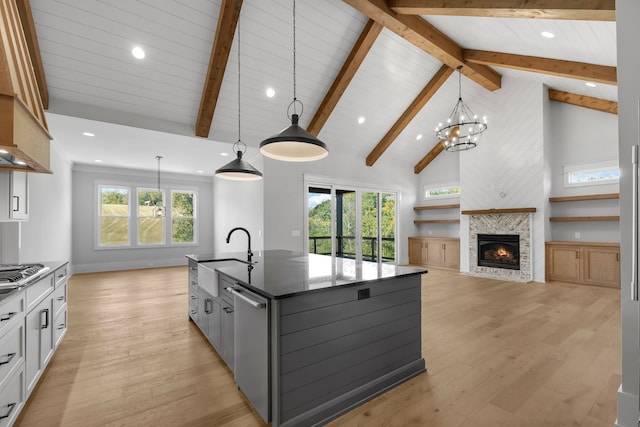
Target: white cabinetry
{"type": "Point", "coordinates": [14, 195]}
{"type": "Point", "coordinates": [39, 330]}
{"type": "Point", "coordinates": [12, 351]}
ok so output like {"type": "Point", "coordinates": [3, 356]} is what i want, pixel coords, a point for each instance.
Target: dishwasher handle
{"type": "Point", "coordinates": [239, 294]}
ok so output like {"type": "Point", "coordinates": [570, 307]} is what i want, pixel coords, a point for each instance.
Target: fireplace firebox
{"type": "Point", "coordinates": [499, 251]}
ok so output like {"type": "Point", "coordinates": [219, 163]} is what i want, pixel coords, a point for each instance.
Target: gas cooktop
{"type": "Point", "coordinates": [17, 274]}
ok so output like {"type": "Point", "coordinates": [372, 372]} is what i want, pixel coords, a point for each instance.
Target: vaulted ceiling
{"type": "Point", "coordinates": [390, 62]}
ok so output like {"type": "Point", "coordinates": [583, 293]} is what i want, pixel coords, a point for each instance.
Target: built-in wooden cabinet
{"type": "Point", "coordinates": [439, 252]}
{"type": "Point", "coordinates": [586, 263]}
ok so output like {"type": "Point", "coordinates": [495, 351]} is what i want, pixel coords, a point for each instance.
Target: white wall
{"type": "Point", "coordinates": [509, 158]}
{"type": "Point", "coordinates": [86, 258]}
{"type": "Point", "coordinates": [284, 193]}
{"type": "Point", "coordinates": [46, 236]}
{"type": "Point", "coordinates": [628, 34]}
{"type": "Point", "coordinates": [239, 204]}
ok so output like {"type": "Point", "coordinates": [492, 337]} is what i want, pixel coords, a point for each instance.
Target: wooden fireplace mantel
{"type": "Point", "coordinates": [498, 211]}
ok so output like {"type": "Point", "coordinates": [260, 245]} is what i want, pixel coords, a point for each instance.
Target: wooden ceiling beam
{"type": "Point", "coordinates": [414, 108]}
{"type": "Point", "coordinates": [429, 157]}
{"type": "Point", "coordinates": [555, 67]}
{"type": "Point", "coordinates": [428, 38]}
{"type": "Point", "coordinates": [359, 52]}
{"type": "Point", "coordinates": [225, 31]}
{"type": "Point", "coordinates": [588, 10]}
{"type": "Point", "coordinates": [597, 104]}
{"type": "Point", "coordinates": [29, 29]}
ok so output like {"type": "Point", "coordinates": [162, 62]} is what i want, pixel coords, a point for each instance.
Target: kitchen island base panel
{"type": "Point", "coordinates": [332, 351]}
{"type": "Point", "coordinates": [337, 407]}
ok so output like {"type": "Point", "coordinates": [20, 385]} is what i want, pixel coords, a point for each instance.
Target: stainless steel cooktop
{"type": "Point", "coordinates": [16, 274]}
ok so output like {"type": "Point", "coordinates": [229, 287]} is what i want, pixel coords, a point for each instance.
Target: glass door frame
{"type": "Point", "coordinates": [333, 186]}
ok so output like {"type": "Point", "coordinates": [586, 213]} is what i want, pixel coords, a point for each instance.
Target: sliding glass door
{"type": "Point", "coordinates": [351, 222]}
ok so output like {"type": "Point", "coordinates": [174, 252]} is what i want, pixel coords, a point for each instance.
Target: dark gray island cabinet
{"type": "Point", "coordinates": [309, 337]}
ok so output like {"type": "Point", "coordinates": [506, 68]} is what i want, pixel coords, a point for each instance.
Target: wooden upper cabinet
{"type": "Point", "coordinates": [25, 134]}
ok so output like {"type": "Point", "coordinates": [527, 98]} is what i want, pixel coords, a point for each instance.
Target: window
{"type": "Point", "coordinates": [114, 216]}
{"type": "Point", "coordinates": [442, 192]}
{"type": "Point", "coordinates": [596, 173]}
{"type": "Point", "coordinates": [182, 217]}
{"type": "Point", "coordinates": [150, 220]}
{"type": "Point", "coordinates": [130, 217]}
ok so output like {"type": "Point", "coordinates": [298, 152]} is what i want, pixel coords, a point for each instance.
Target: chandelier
{"type": "Point", "coordinates": [463, 129]}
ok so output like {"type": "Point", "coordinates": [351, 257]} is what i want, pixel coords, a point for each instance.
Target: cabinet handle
{"type": "Point", "coordinates": [60, 276]}
{"type": "Point", "coordinates": [10, 407]}
{"type": "Point", "coordinates": [194, 312]}
{"type": "Point", "coordinates": [193, 297]}
{"type": "Point", "coordinates": [7, 316]}
{"type": "Point", "coordinates": [17, 203]}
{"type": "Point", "coordinates": [46, 318]}
{"type": "Point", "coordinates": [61, 326]}
{"type": "Point", "coordinates": [61, 298]}
{"type": "Point", "coordinates": [577, 254]}
{"type": "Point", "coordinates": [194, 283]}
{"type": "Point", "coordinates": [208, 309]}
{"type": "Point", "coordinates": [634, 219]}
{"type": "Point", "coordinates": [9, 357]}
{"type": "Point", "coordinates": [228, 310]}
{"type": "Point", "coordinates": [618, 256]}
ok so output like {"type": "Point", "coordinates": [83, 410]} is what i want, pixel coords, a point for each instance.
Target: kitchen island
{"type": "Point", "coordinates": [308, 337]}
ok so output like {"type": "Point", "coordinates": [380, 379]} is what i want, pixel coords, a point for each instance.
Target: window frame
{"type": "Point", "coordinates": [132, 223]}
{"type": "Point", "coordinates": [591, 167]}
{"type": "Point", "coordinates": [427, 189]}
{"type": "Point", "coordinates": [99, 216]}
{"type": "Point", "coordinates": [194, 217]}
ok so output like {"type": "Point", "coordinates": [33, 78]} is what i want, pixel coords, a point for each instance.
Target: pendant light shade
{"type": "Point", "coordinates": [294, 144]}
{"type": "Point", "coordinates": [238, 169]}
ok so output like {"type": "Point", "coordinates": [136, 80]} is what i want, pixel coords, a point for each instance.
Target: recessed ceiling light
{"type": "Point", "coordinates": [419, 137]}
{"type": "Point", "coordinates": [270, 92]}
{"type": "Point", "coordinates": [137, 52]}
{"type": "Point", "coordinates": [590, 84]}
{"type": "Point", "coordinates": [98, 161]}
{"type": "Point", "coordinates": [20, 162]}
{"type": "Point", "coordinates": [361, 120]}
{"type": "Point", "coordinates": [224, 154]}
{"type": "Point", "coordinates": [88, 134]}
{"type": "Point", "coordinates": [547, 34]}
{"type": "Point", "coordinates": [200, 171]}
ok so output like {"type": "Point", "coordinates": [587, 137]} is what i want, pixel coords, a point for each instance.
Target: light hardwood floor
{"type": "Point", "coordinates": [497, 354]}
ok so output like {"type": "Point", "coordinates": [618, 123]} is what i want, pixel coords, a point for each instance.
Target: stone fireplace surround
{"type": "Point", "coordinates": [501, 221]}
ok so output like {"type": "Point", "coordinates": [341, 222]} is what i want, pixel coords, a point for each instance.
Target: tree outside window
{"type": "Point", "coordinates": [182, 217]}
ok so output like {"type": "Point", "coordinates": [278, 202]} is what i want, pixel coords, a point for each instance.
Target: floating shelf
{"type": "Point", "coordinates": [498, 211]}
{"type": "Point", "coordinates": [585, 197]}
{"type": "Point", "coordinates": [433, 221]}
{"type": "Point", "coordinates": [426, 208]}
{"type": "Point", "coordinates": [584, 218]}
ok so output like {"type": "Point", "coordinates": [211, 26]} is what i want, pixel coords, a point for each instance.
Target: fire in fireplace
{"type": "Point", "coordinates": [499, 251]}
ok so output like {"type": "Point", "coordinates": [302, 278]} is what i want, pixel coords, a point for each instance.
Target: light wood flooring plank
{"type": "Point", "coordinates": [497, 353]}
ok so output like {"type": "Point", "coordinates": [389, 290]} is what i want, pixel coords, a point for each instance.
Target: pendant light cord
{"type": "Point", "coordinates": [460, 82]}
{"type": "Point", "coordinates": [239, 6]}
{"type": "Point", "coordinates": [158, 158]}
{"type": "Point", "coordinates": [294, 56]}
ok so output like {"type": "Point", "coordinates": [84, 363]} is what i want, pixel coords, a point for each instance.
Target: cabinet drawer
{"type": "Point", "coordinates": [37, 291]}
{"type": "Point", "coordinates": [10, 310]}
{"type": "Point", "coordinates": [60, 275]}
{"type": "Point", "coordinates": [59, 327]}
{"type": "Point", "coordinates": [12, 399]}
{"type": "Point", "coordinates": [11, 352]}
{"type": "Point", "coordinates": [59, 298]}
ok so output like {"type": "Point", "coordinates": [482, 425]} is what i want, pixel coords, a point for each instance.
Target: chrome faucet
{"type": "Point", "coordinates": [249, 253]}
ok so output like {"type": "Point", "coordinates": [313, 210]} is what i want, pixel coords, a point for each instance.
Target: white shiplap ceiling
{"type": "Point", "coordinates": [91, 75]}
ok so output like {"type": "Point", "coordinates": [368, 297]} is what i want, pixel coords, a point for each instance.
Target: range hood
{"type": "Point", "coordinates": [24, 136]}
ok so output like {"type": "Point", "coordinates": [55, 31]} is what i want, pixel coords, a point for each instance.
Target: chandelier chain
{"type": "Point", "coordinates": [238, 25]}
{"type": "Point", "coordinates": [294, 56]}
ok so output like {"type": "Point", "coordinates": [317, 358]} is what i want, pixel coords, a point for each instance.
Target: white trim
{"type": "Point", "coordinates": [426, 188]}
{"type": "Point", "coordinates": [589, 167]}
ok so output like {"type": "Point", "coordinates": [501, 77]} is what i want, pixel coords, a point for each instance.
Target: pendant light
{"type": "Point", "coordinates": [238, 169]}
{"type": "Point", "coordinates": [158, 209]}
{"type": "Point", "coordinates": [294, 143]}
{"type": "Point", "coordinates": [463, 129]}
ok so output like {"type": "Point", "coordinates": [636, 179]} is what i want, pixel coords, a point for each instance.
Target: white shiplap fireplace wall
{"type": "Point", "coordinates": [509, 168]}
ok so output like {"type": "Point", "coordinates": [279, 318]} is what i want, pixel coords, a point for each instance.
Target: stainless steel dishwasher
{"type": "Point", "coordinates": [251, 347]}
